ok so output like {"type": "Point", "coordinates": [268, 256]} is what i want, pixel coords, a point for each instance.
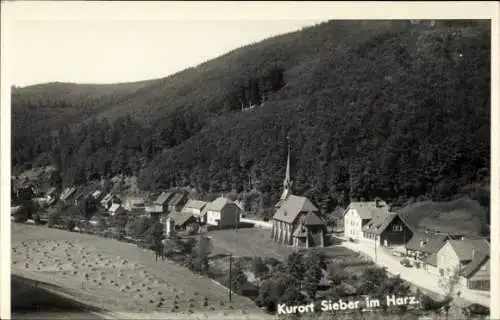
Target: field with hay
{"type": "Point", "coordinates": [116, 276]}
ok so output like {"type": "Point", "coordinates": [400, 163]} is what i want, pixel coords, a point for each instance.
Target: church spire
{"type": "Point", "coordinates": [287, 183]}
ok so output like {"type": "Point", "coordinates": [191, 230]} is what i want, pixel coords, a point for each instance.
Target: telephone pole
{"type": "Point", "coordinates": [230, 277]}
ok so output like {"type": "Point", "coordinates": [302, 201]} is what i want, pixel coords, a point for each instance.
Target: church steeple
{"type": "Point", "coordinates": [287, 182]}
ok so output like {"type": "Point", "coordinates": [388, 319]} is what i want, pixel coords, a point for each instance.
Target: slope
{"type": "Point", "coordinates": [376, 108]}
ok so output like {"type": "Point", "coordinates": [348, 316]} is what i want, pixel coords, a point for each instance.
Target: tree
{"type": "Point", "coordinates": [259, 268]}
{"type": "Point", "coordinates": [336, 274]}
{"type": "Point", "coordinates": [448, 282]}
{"type": "Point", "coordinates": [138, 226]}
{"type": "Point", "coordinates": [295, 266]}
{"type": "Point", "coordinates": [238, 278]}
{"type": "Point", "coordinates": [312, 274]}
{"type": "Point", "coordinates": [70, 224]}
{"type": "Point", "coordinates": [53, 218]}
{"type": "Point", "coordinates": [26, 211]}
{"type": "Point", "coordinates": [372, 278]}
{"type": "Point", "coordinates": [200, 254]}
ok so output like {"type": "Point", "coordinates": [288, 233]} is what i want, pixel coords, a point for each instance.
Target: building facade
{"type": "Point", "coordinates": [223, 213]}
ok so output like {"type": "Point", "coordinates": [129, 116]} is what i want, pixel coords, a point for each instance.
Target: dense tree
{"type": "Point", "coordinates": [199, 259]}
{"type": "Point", "coordinates": [238, 278]}
{"type": "Point", "coordinates": [372, 108]}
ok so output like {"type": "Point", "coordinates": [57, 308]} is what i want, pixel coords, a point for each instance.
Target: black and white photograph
{"type": "Point", "coordinates": [258, 168]}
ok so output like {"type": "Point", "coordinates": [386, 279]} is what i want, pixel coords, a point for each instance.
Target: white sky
{"type": "Point", "coordinates": [103, 42]}
{"type": "Point", "coordinates": [119, 51]}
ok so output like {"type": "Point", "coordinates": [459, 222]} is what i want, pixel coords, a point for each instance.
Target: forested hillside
{"type": "Point", "coordinates": [389, 109]}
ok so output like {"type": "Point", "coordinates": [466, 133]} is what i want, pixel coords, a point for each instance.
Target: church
{"type": "Point", "coordinates": [296, 221]}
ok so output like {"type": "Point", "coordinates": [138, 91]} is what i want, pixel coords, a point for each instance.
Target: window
{"type": "Point", "coordinates": [397, 227]}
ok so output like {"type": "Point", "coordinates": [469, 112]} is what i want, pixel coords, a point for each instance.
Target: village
{"type": "Point", "coordinates": [443, 263]}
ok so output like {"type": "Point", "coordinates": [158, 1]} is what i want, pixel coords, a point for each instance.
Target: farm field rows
{"type": "Point", "coordinates": [115, 276]}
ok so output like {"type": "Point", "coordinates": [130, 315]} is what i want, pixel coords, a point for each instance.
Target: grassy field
{"type": "Point", "coordinates": [257, 242]}
{"type": "Point", "coordinates": [115, 276]}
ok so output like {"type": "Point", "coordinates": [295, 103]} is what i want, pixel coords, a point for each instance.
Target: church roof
{"type": "Point", "coordinates": [291, 207]}
{"type": "Point", "coordinates": [312, 219]}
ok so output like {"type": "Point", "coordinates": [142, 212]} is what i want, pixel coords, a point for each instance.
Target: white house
{"type": "Point", "coordinates": [467, 256]}
{"type": "Point", "coordinates": [116, 209]}
{"type": "Point", "coordinates": [358, 214]}
{"type": "Point", "coordinates": [195, 207]}
{"type": "Point", "coordinates": [222, 212]}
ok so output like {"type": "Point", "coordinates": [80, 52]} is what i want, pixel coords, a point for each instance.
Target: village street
{"type": "Point", "coordinates": [418, 277]}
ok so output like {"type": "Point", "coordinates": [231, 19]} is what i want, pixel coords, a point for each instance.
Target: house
{"type": "Point", "coordinates": [177, 202]}
{"type": "Point", "coordinates": [476, 274]}
{"type": "Point", "coordinates": [182, 220]}
{"type": "Point", "coordinates": [297, 223]}
{"type": "Point", "coordinates": [223, 213]}
{"type": "Point", "coordinates": [135, 203]}
{"type": "Point", "coordinates": [163, 201]}
{"type": "Point", "coordinates": [424, 244]}
{"type": "Point", "coordinates": [116, 209]}
{"type": "Point", "coordinates": [195, 207]}
{"type": "Point", "coordinates": [110, 199]}
{"type": "Point", "coordinates": [387, 230]}
{"type": "Point", "coordinates": [66, 194]}
{"type": "Point", "coordinates": [51, 193]}
{"type": "Point", "coordinates": [470, 257]}
{"type": "Point", "coordinates": [77, 197]}
{"type": "Point", "coordinates": [358, 214]}
{"type": "Point", "coordinates": [97, 195]}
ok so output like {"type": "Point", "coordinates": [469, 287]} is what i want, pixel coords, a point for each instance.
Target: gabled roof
{"type": "Point", "coordinates": [163, 197]}
{"type": "Point", "coordinates": [176, 199]}
{"type": "Point", "coordinates": [195, 204]}
{"type": "Point", "coordinates": [67, 193]}
{"type": "Point", "coordinates": [464, 248]}
{"type": "Point", "coordinates": [431, 259]}
{"type": "Point", "coordinates": [433, 242]}
{"type": "Point", "coordinates": [312, 219]}
{"type": "Point", "coordinates": [114, 207]}
{"type": "Point", "coordinates": [135, 203]}
{"type": "Point", "coordinates": [292, 207]}
{"type": "Point", "coordinates": [480, 258]}
{"type": "Point", "coordinates": [218, 204]}
{"type": "Point", "coordinates": [368, 210]}
{"type": "Point", "coordinates": [180, 218]}
{"type": "Point", "coordinates": [51, 191]}
{"type": "Point", "coordinates": [97, 194]}
{"type": "Point", "coordinates": [107, 198]}
{"type": "Point", "coordinates": [154, 208]}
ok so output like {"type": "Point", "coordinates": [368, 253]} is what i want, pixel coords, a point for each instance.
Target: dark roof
{"type": "Point", "coordinates": [379, 222]}
{"type": "Point", "coordinates": [480, 258]}
{"type": "Point", "coordinates": [292, 207]}
{"type": "Point", "coordinates": [433, 242]}
{"type": "Point", "coordinates": [176, 199]}
{"type": "Point", "coordinates": [163, 197]}
{"type": "Point", "coordinates": [312, 219]}
{"type": "Point", "coordinates": [431, 259]}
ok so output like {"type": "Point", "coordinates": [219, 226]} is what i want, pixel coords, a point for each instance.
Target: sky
{"type": "Point", "coordinates": [110, 51]}
{"type": "Point", "coordinates": [109, 42]}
